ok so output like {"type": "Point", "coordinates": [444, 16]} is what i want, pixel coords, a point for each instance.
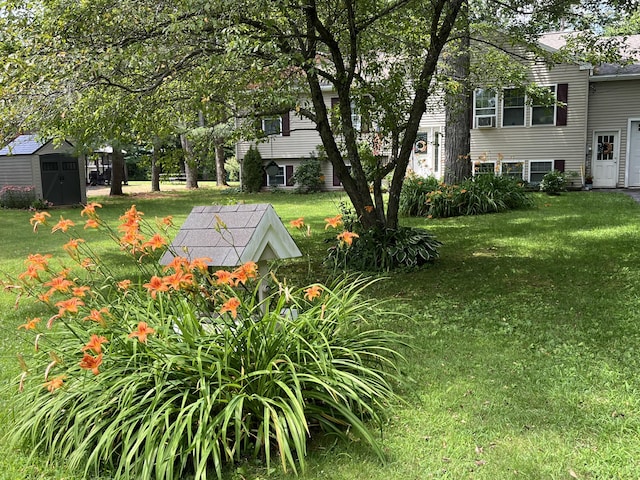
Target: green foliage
{"type": "Point", "coordinates": [486, 193]}
{"type": "Point", "coordinates": [378, 249]}
{"type": "Point", "coordinates": [382, 250]}
{"type": "Point", "coordinates": [183, 371]}
{"type": "Point", "coordinates": [413, 197]}
{"type": "Point", "coordinates": [13, 196]}
{"type": "Point", "coordinates": [252, 171]}
{"type": "Point", "coordinates": [553, 183]}
{"type": "Point", "coordinates": [308, 175]}
{"type": "Point", "coordinates": [232, 167]}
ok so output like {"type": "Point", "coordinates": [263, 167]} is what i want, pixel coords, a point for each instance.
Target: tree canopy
{"type": "Point", "coordinates": [110, 69]}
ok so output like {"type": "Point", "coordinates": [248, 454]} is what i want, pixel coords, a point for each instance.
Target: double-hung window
{"type": "Point", "coordinates": [272, 126]}
{"type": "Point", "coordinates": [512, 170]}
{"type": "Point", "coordinates": [484, 107]}
{"type": "Point", "coordinates": [484, 168]}
{"type": "Point", "coordinates": [538, 169]}
{"type": "Point", "coordinates": [544, 114]}
{"type": "Point", "coordinates": [276, 179]}
{"type": "Point", "coordinates": [513, 102]}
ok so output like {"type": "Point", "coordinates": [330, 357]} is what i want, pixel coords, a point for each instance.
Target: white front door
{"type": "Point", "coordinates": [633, 155]}
{"type": "Point", "coordinates": [604, 161]}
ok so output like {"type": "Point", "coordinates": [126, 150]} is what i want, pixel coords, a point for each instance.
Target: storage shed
{"type": "Point", "coordinates": [53, 170]}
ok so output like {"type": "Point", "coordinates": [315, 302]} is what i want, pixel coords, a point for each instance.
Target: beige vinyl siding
{"type": "Point", "coordinates": [18, 171]}
{"type": "Point", "coordinates": [525, 143]}
{"type": "Point", "coordinates": [611, 105]}
{"type": "Point", "coordinates": [302, 141]}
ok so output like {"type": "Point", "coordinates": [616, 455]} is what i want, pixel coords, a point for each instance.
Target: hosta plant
{"type": "Point", "coordinates": [181, 371]}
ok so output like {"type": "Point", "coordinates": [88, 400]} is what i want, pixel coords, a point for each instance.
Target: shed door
{"type": "Point", "coordinates": [634, 155]}
{"type": "Point", "coordinates": [604, 162]}
{"type": "Point", "coordinates": [60, 179]}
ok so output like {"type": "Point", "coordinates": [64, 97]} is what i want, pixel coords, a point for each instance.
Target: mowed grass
{"type": "Point", "coordinates": [525, 335]}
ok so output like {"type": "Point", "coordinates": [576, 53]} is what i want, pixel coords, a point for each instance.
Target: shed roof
{"type": "Point", "coordinates": [231, 235]}
{"type": "Point", "coordinates": [27, 144]}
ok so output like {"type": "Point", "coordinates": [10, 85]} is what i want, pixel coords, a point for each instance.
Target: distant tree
{"type": "Point", "coordinates": [252, 171]}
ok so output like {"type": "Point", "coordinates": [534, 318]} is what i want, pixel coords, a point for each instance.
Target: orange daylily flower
{"type": "Point", "coordinates": [32, 272]}
{"type": "Point", "coordinates": [368, 208]}
{"type": "Point", "coordinates": [155, 242]}
{"type": "Point", "coordinates": [31, 324]}
{"type": "Point", "coordinates": [168, 220]}
{"type": "Point", "coordinates": [38, 260]}
{"type": "Point", "coordinates": [71, 246]}
{"type": "Point", "coordinates": [231, 306]}
{"type": "Point", "coordinates": [68, 306]}
{"type": "Point", "coordinates": [245, 272]}
{"type": "Point", "coordinates": [90, 209]}
{"type": "Point", "coordinates": [178, 280]}
{"type": "Point", "coordinates": [142, 332]}
{"type": "Point", "coordinates": [81, 291]}
{"type": "Point", "coordinates": [95, 344]}
{"type": "Point", "coordinates": [59, 284]}
{"type": "Point", "coordinates": [312, 292]}
{"type": "Point", "coordinates": [97, 315]}
{"type": "Point", "coordinates": [224, 277]}
{"type": "Point", "coordinates": [155, 285]}
{"type": "Point", "coordinates": [91, 223]}
{"type": "Point", "coordinates": [347, 237]}
{"type": "Point", "coordinates": [63, 224]}
{"type": "Point", "coordinates": [39, 218]}
{"type": "Point", "coordinates": [89, 362]}
{"type": "Point", "coordinates": [201, 264]}
{"type": "Point", "coordinates": [87, 263]}
{"type": "Point", "coordinates": [55, 383]}
{"type": "Point", "coordinates": [131, 217]}
{"type": "Point", "coordinates": [124, 285]}
{"type": "Point", "coordinates": [334, 222]}
{"type": "Point", "coordinates": [178, 264]}
{"type": "Point", "coordinates": [298, 223]}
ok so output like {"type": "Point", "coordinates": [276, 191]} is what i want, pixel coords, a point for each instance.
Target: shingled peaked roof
{"type": "Point", "coordinates": [23, 145]}
{"type": "Point", "coordinates": [232, 235]}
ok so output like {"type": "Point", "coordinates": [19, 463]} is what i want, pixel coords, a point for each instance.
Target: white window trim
{"type": "Point", "coordinates": [475, 163]}
{"type": "Point", "coordinates": [537, 161]}
{"type": "Point", "coordinates": [279, 119]}
{"type": "Point", "coordinates": [495, 108]}
{"type": "Point", "coordinates": [508, 162]}
{"type": "Point", "coordinates": [555, 109]}
{"type": "Point", "coordinates": [284, 177]}
{"type": "Point", "coordinates": [524, 110]}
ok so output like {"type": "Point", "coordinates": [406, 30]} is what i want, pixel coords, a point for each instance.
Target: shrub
{"type": "Point", "coordinates": [414, 195]}
{"type": "Point", "coordinates": [252, 171]}
{"type": "Point", "coordinates": [308, 176]}
{"type": "Point", "coordinates": [482, 194]}
{"type": "Point", "coordinates": [14, 196]}
{"type": "Point", "coordinates": [553, 183]}
{"type": "Point", "coordinates": [184, 371]}
{"type": "Point", "coordinates": [380, 249]}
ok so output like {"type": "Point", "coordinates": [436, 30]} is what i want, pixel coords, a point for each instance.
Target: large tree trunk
{"type": "Point", "coordinates": [190, 167]}
{"type": "Point", "coordinates": [458, 108]}
{"type": "Point", "coordinates": [155, 168]}
{"type": "Point", "coordinates": [117, 170]}
{"type": "Point", "coordinates": [221, 174]}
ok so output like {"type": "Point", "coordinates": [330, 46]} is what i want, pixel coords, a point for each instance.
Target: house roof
{"type": "Point", "coordinates": [23, 145]}
{"type": "Point", "coordinates": [629, 51]}
{"type": "Point", "coordinates": [232, 235]}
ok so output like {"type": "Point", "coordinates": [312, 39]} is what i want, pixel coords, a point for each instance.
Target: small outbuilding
{"type": "Point", "coordinates": [232, 235]}
{"type": "Point", "coordinates": [53, 170]}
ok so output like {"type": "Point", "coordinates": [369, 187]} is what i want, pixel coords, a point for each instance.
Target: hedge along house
{"type": "Point", "coordinates": [52, 170]}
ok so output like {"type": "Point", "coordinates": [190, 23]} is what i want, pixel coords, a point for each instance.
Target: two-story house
{"type": "Point", "coordinates": [592, 130]}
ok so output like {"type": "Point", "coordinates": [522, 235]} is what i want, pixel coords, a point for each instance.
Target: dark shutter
{"type": "Point", "coordinates": [286, 125]}
{"type": "Point", "coordinates": [264, 177]}
{"type": "Point", "coordinates": [558, 165]}
{"type": "Point", "coordinates": [336, 180]}
{"type": "Point", "coordinates": [334, 101]}
{"type": "Point", "coordinates": [288, 175]}
{"type": "Point", "coordinates": [562, 96]}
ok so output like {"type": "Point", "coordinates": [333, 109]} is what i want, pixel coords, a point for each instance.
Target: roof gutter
{"type": "Point", "coordinates": [614, 77]}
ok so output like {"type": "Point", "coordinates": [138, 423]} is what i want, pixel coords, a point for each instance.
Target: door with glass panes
{"type": "Point", "coordinates": [604, 158]}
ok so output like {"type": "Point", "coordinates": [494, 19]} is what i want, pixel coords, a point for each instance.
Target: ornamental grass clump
{"type": "Point", "coordinates": [181, 371]}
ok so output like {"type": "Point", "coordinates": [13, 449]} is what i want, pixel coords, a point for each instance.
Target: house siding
{"type": "Point", "coordinates": [611, 105]}
{"type": "Point", "coordinates": [17, 170]}
{"type": "Point", "coordinates": [537, 142]}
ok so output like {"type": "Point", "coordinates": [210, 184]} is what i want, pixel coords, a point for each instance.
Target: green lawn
{"type": "Point", "coordinates": [525, 334]}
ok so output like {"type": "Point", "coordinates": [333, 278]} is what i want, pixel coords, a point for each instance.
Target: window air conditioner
{"type": "Point", "coordinates": [486, 121]}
